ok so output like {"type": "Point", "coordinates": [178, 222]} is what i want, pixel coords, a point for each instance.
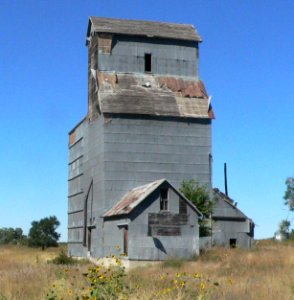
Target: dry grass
{"type": "Point", "coordinates": [25, 272]}
{"type": "Point", "coordinates": [266, 272]}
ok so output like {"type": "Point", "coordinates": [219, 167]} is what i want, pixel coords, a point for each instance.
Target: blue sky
{"type": "Point", "coordinates": [246, 62]}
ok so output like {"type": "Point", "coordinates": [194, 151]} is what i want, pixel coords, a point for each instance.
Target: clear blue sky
{"type": "Point", "coordinates": [246, 62]}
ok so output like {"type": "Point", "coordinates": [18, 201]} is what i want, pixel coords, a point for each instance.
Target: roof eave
{"type": "Point", "coordinates": [197, 38]}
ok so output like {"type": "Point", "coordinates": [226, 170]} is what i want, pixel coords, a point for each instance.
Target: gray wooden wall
{"type": "Point", "coordinates": [143, 246]}
{"type": "Point", "coordinates": [124, 153]}
{"type": "Point", "coordinates": [170, 57]}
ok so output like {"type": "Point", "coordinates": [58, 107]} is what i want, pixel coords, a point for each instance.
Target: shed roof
{"type": "Point", "coordinates": [137, 195]}
{"type": "Point", "coordinates": [143, 28]}
{"type": "Point", "coordinates": [123, 93]}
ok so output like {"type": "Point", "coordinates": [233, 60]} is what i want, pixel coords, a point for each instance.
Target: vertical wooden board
{"type": "Point", "coordinates": [126, 240]}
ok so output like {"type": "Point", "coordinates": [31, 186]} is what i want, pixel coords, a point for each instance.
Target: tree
{"type": "Point", "coordinates": [199, 196]}
{"type": "Point", "coordinates": [289, 194]}
{"type": "Point", "coordinates": [43, 233]}
{"type": "Point", "coordinates": [284, 227]}
{"type": "Point", "coordinates": [11, 236]}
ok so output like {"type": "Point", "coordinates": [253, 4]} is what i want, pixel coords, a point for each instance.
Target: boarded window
{"type": "Point", "coordinates": [183, 207]}
{"type": "Point", "coordinates": [166, 224]}
{"type": "Point", "coordinates": [164, 199]}
{"type": "Point", "coordinates": [148, 62]}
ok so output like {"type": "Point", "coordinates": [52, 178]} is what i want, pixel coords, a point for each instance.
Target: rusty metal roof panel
{"type": "Point", "coordinates": [133, 198]}
{"type": "Point", "coordinates": [137, 195]}
{"type": "Point", "coordinates": [123, 93]}
{"type": "Point", "coordinates": [144, 28]}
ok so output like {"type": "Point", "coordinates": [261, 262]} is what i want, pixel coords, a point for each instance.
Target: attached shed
{"type": "Point", "coordinates": [230, 226]}
{"type": "Point", "coordinates": [152, 222]}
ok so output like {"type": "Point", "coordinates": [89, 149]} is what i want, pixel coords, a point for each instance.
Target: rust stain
{"type": "Point", "coordinates": [132, 199]}
{"type": "Point", "coordinates": [211, 114]}
{"type": "Point", "coordinates": [183, 88]}
{"type": "Point", "coordinates": [72, 138]}
{"type": "Point", "coordinates": [164, 95]}
{"type": "Point", "coordinates": [105, 42]}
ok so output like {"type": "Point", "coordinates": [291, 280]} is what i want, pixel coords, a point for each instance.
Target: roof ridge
{"type": "Point", "coordinates": [155, 29]}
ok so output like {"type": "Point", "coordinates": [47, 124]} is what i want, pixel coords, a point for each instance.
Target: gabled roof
{"type": "Point", "coordinates": [153, 95]}
{"type": "Point", "coordinates": [137, 195]}
{"type": "Point", "coordinates": [143, 28]}
{"type": "Point", "coordinates": [221, 196]}
{"type": "Point", "coordinates": [224, 197]}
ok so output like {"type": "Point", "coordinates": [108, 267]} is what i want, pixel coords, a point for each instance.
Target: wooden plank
{"type": "Point", "coordinates": [165, 230]}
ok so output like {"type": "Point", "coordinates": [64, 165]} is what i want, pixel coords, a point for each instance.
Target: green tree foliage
{"type": "Point", "coordinates": [43, 233]}
{"type": "Point", "coordinates": [11, 236]}
{"type": "Point", "coordinates": [199, 196]}
{"type": "Point", "coordinates": [284, 227]}
{"type": "Point", "coordinates": [289, 194]}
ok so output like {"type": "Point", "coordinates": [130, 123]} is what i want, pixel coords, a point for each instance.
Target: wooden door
{"type": "Point", "coordinates": [126, 239]}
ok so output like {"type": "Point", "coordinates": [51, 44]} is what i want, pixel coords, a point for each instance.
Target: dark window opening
{"type": "Point", "coordinates": [164, 199]}
{"type": "Point", "coordinates": [233, 243]}
{"type": "Point", "coordinates": [89, 239]}
{"type": "Point", "coordinates": [183, 207]}
{"type": "Point", "coordinates": [147, 62]}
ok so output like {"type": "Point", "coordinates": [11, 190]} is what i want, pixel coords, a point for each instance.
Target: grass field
{"type": "Point", "coordinates": [265, 272]}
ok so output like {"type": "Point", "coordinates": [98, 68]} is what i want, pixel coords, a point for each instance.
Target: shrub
{"type": "Point", "coordinates": [63, 259]}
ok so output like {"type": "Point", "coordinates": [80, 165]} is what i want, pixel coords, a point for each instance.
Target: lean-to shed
{"type": "Point", "coordinates": [230, 226]}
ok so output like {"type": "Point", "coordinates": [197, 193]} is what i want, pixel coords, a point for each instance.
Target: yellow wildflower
{"type": "Point", "coordinates": [182, 283]}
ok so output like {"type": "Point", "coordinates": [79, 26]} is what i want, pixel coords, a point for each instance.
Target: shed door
{"type": "Point", "coordinates": [126, 239]}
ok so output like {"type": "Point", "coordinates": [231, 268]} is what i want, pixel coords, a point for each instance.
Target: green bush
{"type": "Point", "coordinates": [63, 259]}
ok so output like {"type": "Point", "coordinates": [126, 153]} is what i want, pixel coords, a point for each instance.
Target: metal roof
{"type": "Point", "coordinates": [222, 196]}
{"type": "Point", "coordinates": [134, 197]}
{"type": "Point", "coordinates": [143, 28]}
{"type": "Point", "coordinates": [124, 93]}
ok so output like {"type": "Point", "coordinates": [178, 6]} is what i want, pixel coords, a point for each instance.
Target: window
{"type": "Point", "coordinates": [148, 62]}
{"type": "Point", "coordinates": [164, 199]}
{"type": "Point", "coordinates": [183, 207]}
